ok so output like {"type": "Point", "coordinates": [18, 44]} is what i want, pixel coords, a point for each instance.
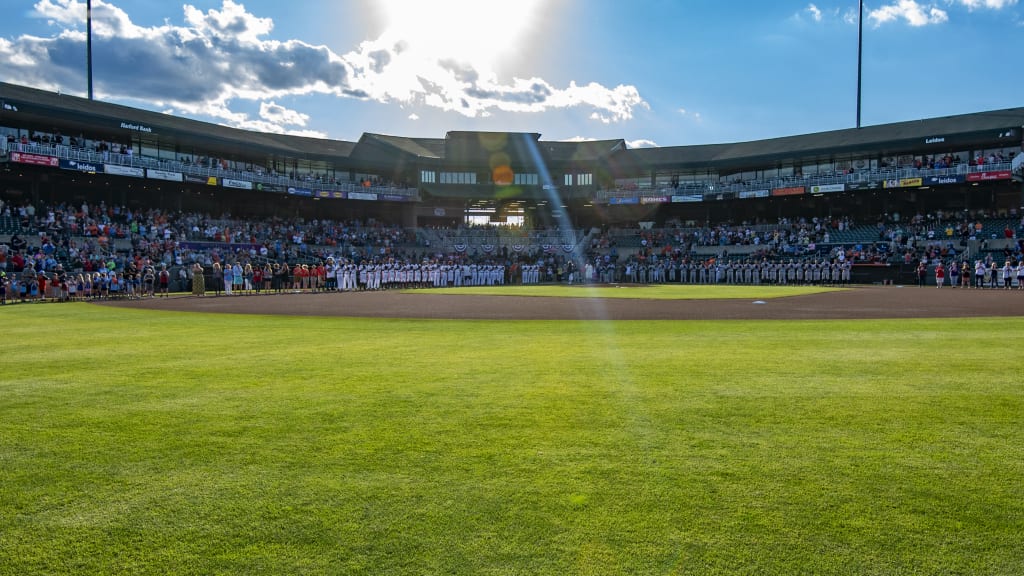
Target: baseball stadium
{"type": "Point", "coordinates": [231, 351]}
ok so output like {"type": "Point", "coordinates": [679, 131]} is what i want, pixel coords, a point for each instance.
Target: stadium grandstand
{"type": "Point", "coordinates": [885, 195]}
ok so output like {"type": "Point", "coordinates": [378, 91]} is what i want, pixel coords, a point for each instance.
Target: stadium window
{"type": "Point", "coordinates": [584, 179]}
{"type": "Point", "coordinates": [526, 179]}
{"type": "Point", "coordinates": [567, 180]}
{"type": "Point", "coordinates": [428, 176]}
{"type": "Point", "coordinates": [458, 177]}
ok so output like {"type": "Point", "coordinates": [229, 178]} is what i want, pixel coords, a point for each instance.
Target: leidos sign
{"type": "Point", "coordinates": [935, 140]}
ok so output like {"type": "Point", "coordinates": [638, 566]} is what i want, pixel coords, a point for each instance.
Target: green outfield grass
{"type": "Point", "coordinates": [140, 442]}
{"type": "Point", "coordinates": [648, 292]}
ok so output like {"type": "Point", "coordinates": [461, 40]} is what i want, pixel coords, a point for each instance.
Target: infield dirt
{"type": "Point", "coordinates": [864, 302]}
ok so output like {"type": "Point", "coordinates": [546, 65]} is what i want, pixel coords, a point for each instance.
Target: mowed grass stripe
{"type": "Point", "coordinates": [145, 442]}
{"type": "Point", "coordinates": [650, 292]}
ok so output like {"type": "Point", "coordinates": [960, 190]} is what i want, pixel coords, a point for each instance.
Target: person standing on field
{"type": "Point", "coordinates": [228, 275]}
{"type": "Point", "coordinates": [198, 280]}
{"type": "Point", "coordinates": [163, 281]}
{"type": "Point", "coordinates": [218, 278]}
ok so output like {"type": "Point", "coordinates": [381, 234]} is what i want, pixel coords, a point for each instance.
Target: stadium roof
{"type": "Point", "coordinates": [937, 133]}
{"type": "Point", "coordinates": [106, 120]}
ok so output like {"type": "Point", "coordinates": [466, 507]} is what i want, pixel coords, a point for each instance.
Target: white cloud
{"type": "Point", "coordinates": [990, 4]}
{"type": "Point", "coordinates": [232, 19]}
{"type": "Point", "coordinates": [414, 116]}
{"type": "Point", "coordinates": [690, 114]}
{"type": "Point", "coordinates": [915, 14]}
{"type": "Point", "coordinates": [219, 57]}
{"type": "Point", "coordinates": [60, 11]}
{"type": "Point", "coordinates": [850, 16]}
{"type": "Point", "coordinates": [278, 114]}
{"type": "Point", "coordinates": [814, 12]}
{"type": "Point", "coordinates": [641, 143]}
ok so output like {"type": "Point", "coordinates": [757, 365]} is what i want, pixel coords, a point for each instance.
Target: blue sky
{"type": "Point", "coordinates": [654, 72]}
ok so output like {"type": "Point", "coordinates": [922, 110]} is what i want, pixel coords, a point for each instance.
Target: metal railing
{"type": "Point", "coordinates": [709, 189]}
{"type": "Point", "coordinates": [64, 152]}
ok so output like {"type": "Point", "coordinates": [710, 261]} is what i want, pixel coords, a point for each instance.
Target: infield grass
{"type": "Point", "coordinates": [648, 292]}
{"type": "Point", "coordinates": [139, 442]}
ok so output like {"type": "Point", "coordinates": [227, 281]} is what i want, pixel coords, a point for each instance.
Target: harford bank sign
{"type": "Point", "coordinates": [136, 127]}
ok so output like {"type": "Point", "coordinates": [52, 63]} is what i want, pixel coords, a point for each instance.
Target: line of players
{"type": "Point", "coordinates": [717, 272]}
{"type": "Point", "coordinates": [350, 277]}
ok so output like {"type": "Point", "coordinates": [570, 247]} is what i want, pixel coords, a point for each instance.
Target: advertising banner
{"type": "Point", "coordinates": [788, 191]}
{"type": "Point", "coordinates": [240, 184]}
{"type": "Point", "coordinates": [270, 188]}
{"type": "Point", "coordinates": [338, 195]}
{"type": "Point", "coordinates": [986, 176]}
{"type": "Point", "coordinates": [755, 193]}
{"type": "Point", "coordinates": [323, 194]}
{"type": "Point", "coordinates": [90, 167]}
{"type": "Point", "coordinates": [164, 175]}
{"type": "Point", "coordinates": [653, 199]}
{"type": "Point", "coordinates": [361, 196]}
{"type": "Point", "coordinates": [621, 200]}
{"type": "Point", "coordinates": [124, 171]}
{"type": "Point", "coordinates": [394, 197]}
{"type": "Point", "coordinates": [890, 183]}
{"type": "Point", "coordinates": [137, 127]}
{"type": "Point", "coordinates": [910, 182]}
{"type": "Point", "coordinates": [687, 198]}
{"type": "Point", "coordinates": [300, 191]}
{"type": "Point", "coordinates": [939, 180]}
{"type": "Point", "coordinates": [870, 185]}
{"type": "Point", "coordinates": [207, 180]}
{"type": "Point", "coordinates": [35, 159]}
{"type": "Point", "coordinates": [827, 188]}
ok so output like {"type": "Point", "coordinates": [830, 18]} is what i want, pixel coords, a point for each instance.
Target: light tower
{"type": "Point", "coordinates": [860, 53]}
{"type": "Point", "coordinates": [88, 44]}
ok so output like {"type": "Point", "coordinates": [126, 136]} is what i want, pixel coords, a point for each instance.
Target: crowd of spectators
{"type": "Point", "coordinates": [89, 239]}
{"type": "Point", "coordinates": [885, 167]}
{"type": "Point", "coordinates": [87, 235]}
{"type": "Point", "coordinates": [124, 153]}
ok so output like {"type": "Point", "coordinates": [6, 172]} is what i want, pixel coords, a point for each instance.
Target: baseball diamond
{"type": "Point", "coordinates": [232, 351]}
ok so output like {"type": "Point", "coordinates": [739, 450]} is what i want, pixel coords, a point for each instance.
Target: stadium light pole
{"type": "Point", "coordinates": [860, 54]}
{"type": "Point", "coordinates": [88, 44]}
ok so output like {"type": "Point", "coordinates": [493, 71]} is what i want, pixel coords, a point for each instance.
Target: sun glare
{"type": "Point", "coordinates": [476, 31]}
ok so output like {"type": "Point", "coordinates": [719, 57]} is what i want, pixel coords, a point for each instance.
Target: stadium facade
{"type": "Point", "coordinates": [60, 148]}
